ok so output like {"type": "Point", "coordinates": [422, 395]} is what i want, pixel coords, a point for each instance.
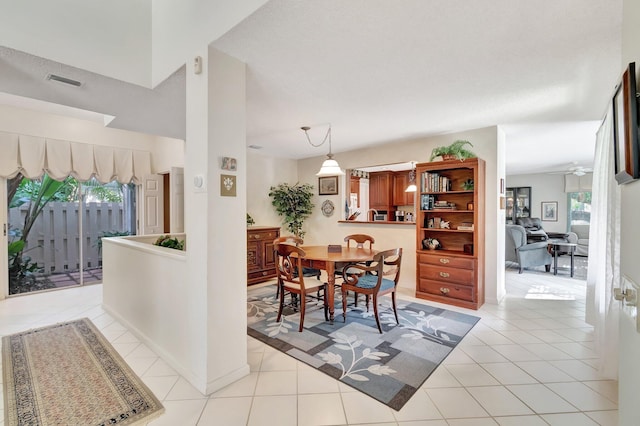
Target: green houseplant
{"type": "Point", "coordinates": [454, 151]}
{"type": "Point", "coordinates": [294, 204]}
{"type": "Point", "coordinates": [167, 241]}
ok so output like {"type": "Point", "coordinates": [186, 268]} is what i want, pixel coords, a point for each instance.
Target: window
{"type": "Point", "coordinates": [579, 210]}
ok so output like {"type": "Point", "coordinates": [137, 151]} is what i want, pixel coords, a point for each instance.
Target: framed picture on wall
{"type": "Point", "coordinates": [550, 211]}
{"type": "Point", "coordinates": [328, 185]}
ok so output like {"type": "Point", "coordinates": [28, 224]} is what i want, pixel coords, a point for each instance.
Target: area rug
{"type": "Point", "coordinates": [389, 367]}
{"type": "Point", "coordinates": [69, 374]}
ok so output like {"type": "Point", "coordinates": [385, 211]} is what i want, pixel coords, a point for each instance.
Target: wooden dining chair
{"type": "Point", "coordinates": [377, 279]}
{"type": "Point", "coordinates": [359, 241]}
{"type": "Point", "coordinates": [296, 241]}
{"type": "Point", "coordinates": [291, 279]}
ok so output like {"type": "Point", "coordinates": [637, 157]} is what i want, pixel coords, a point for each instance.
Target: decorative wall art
{"type": "Point", "coordinates": [227, 185]}
{"type": "Point", "coordinates": [229, 163]}
{"type": "Point", "coordinates": [328, 185]}
{"type": "Point", "coordinates": [550, 211]}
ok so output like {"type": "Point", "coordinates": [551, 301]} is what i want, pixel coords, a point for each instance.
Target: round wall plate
{"type": "Point", "coordinates": [327, 208]}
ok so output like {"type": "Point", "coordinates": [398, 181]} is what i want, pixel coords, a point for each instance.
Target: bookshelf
{"type": "Point", "coordinates": [451, 211]}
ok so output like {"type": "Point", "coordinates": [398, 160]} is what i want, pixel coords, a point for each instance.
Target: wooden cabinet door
{"type": "Point", "coordinates": [400, 182]}
{"type": "Point", "coordinates": [380, 190]}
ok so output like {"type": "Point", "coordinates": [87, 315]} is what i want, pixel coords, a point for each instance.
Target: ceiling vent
{"type": "Point", "coordinates": [64, 80]}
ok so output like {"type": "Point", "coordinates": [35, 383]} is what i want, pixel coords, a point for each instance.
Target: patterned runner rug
{"type": "Point", "coordinates": [389, 367]}
{"type": "Point", "coordinates": [69, 374]}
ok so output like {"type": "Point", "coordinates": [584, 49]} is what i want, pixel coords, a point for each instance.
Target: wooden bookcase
{"type": "Point", "coordinates": [453, 273]}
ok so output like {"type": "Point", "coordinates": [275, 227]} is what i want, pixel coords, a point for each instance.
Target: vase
{"type": "Point", "coordinates": [432, 246]}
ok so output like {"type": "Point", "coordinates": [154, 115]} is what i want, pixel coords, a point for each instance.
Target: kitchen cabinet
{"type": "Point", "coordinates": [400, 183]}
{"type": "Point", "coordinates": [381, 192]}
{"type": "Point", "coordinates": [518, 203]}
{"type": "Point", "coordinates": [451, 210]}
{"type": "Point", "coordinates": [261, 261]}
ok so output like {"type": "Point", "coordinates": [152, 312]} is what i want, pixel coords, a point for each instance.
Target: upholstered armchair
{"type": "Point", "coordinates": [533, 227]}
{"type": "Point", "coordinates": [525, 254]}
{"type": "Point", "coordinates": [582, 240]}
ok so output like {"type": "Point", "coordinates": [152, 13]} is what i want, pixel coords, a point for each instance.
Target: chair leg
{"type": "Point", "coordinates": [395, 310]}
{"type": "Point", "coordinates": [375, 311]}
{"type": "Point", "coordinates": [326, 303]}
{"type": "Point", "coordinates": [344, 304]}
{"type": "Point", "coordinates": [366, 300]}
{"type": "Point", "coordinates": [281, 302]}
{"type": "Point", "coordinates": [302, 309]}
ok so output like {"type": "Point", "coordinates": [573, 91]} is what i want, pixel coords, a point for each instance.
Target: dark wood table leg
{"type": "Point", "coordinates": [331, 281]}
{"type": "Point", "coordinates": [573, 249]}
{"type": "Point", "coordinates": [555, 260]}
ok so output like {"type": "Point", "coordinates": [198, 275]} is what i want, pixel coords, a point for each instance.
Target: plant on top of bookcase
{"type": "Point", "coordinates": [454, 151]}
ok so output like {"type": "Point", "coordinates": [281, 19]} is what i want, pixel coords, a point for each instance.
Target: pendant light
{"type": "Point", "coordinates": [330, 167]}
{"type": "Point", "coordinates": [412, 179]}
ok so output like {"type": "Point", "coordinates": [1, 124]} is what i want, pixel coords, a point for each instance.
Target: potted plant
{"type": "Point", "coordinates": [454, 151]}
{"type": "Point", "coordinates": [294, 204]}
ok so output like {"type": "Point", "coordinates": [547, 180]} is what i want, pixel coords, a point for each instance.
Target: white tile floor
{"type": "Point", "coordinates": [529, 361]}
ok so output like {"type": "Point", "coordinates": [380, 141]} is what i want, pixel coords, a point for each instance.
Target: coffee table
{"type": "Point", "coordinates": [565, 247]}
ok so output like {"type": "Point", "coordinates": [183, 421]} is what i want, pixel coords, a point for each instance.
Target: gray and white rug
{"type": "Point", "coordinates": [389, 367]}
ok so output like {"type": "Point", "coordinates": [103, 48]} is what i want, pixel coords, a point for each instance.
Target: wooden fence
{"type": "Point", "coordinates": [54, 241]}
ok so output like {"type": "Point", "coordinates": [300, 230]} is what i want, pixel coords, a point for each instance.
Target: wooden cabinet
{"type": "Point", "coordinates": [451, 210]}
{"type": "Point", "coordinates": [261, 262]}
{"type": "Point", "coordinates": [400, 183]}
{"type": "Point", "coordinates": [518, 203]}
{"type": "Point", "coordinates": [381, 192]}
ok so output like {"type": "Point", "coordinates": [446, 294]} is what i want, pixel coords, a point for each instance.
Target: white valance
{"type": "Point", "coordinates": [574, 183]}
{"type": "Point", "coordinates": [33, 156]}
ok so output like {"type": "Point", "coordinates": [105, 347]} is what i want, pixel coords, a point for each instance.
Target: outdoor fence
{"type": "Point", "coordinates": [54, 241]}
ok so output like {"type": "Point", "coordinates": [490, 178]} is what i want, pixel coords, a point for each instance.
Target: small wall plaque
{"type": "Point", "coordinates": [227, 185]}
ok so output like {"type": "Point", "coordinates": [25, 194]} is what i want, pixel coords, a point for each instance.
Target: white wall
{"type": "Point", "coordinates": [322, 230]}
{"type": "Point", "coordinates": [181, 28]}
{"type": "Point", "coordinates": [629, 380]}
{"type": "Point", "coordinates": [119, 44]}
{"type": "Point", "coordinates": [544, 187]}
{"type": "Point", "coordinates": [262, 173]}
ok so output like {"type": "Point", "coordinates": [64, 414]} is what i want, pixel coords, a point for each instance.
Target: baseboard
{"type": "Point", "coordinates": [166, 357]}
{"type": "Point", "coordinates": [226, 380]}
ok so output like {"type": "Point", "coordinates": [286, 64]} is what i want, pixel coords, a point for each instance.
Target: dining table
{"type": "Point", "coordinates": [320, 257]}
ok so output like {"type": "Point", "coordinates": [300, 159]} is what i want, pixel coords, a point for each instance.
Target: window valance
{"type": "Point", "coordinates": [33, 156]}
{"type": "Point", "coordinates": [574, 183]}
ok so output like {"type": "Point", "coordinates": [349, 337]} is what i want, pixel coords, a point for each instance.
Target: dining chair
{"type": "Point", "coordinates": [296, 241]}
{"type": "Point", "coordinates": [291, 279]}
{"type": "Point", "coordinates": [377, 279]}
{"type": "Point", "coordinates": [360, 241]}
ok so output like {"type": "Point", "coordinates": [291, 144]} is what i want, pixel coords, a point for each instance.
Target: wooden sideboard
{"type": "Point", "coordinates": [261, 263]}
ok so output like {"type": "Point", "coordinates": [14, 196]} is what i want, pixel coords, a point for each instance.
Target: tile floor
{"type": "Point", "coordinates": [529, 361]}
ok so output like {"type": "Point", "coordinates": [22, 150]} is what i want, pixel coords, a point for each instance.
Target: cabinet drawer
{"type": "Point", "coordinates": [451, 275]}
{"type": "Point", "coordinates": [447, 290]}
{"type": "Point", "coordinates": [262, 274]}
{"type": "Point", "coordinates": [262, 235]}
{"type": "Point", "coordinates": [445, 260]}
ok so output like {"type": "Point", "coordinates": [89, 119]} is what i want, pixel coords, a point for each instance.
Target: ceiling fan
{"type": "Point", "coordinates": [574, 170]}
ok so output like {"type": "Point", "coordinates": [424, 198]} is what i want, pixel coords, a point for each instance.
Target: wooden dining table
{"type": "Point", "coordinates": [320, 257]}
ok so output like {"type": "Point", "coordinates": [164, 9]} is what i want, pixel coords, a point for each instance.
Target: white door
{"type": "Point", "coordinates": [176, 199]}
{"type": "Point", "coordinates": [152, 199]}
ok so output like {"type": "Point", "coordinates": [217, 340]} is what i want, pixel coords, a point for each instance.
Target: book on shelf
{"type": "Point", "coordinates": [465, 226]}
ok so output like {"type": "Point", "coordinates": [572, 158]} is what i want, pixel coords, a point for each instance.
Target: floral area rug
{"type": "Point", "coordinates": [69, 374]}
{"type": "Point", "coordinates": [389, 367]}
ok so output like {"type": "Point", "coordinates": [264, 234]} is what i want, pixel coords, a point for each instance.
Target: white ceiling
{"type": "Point", "coordinates": [382, 71]}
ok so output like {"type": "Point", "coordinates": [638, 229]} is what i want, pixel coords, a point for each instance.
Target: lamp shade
{"type": "Point", "coordinates": [330, 167]}
{"type": "Point", "coordinates": [411, 188]}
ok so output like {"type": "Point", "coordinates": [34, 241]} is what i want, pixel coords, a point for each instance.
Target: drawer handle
{"type": "Point", "coordinates": [265, 273]}
{"type": "Point", "coordinates": [444, 274]}
{"type": "Point", "coordinates": [444, 290]}
{"type": "Point", "coordinates": [443, 260]}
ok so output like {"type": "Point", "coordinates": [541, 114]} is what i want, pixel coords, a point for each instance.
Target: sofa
{"type": "Point", "coordinates": [526, 254]}
{"type": "Point", "coordinates": [533, 228]}
{"type": "Point", "coordinates": [582, 233]}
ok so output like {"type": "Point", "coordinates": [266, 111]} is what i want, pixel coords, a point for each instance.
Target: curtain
{"type": "Point", "coordinates": [33, 156]}
{"type": "Point", "coordinates": [603, 275]}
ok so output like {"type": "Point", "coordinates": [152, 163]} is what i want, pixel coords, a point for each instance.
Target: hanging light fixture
{"type": "Point", "coordinates": [330, 167]}
{"type": "Point", "coordinates": [412, 179]}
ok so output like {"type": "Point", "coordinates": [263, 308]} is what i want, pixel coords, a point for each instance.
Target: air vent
{"type": "Point", "coordinates": [255, 147]}
{"type": "Point", "coordinates": [64, 80]}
